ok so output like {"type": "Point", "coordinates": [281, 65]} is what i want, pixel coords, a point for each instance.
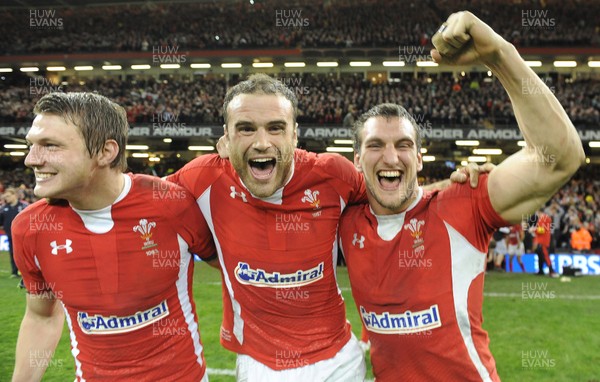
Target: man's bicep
{"type": "Point", "coordinates": [522, 184]}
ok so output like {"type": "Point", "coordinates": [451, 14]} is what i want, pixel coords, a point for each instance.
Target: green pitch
{"type": "Point", "coordinates": [541, 329]}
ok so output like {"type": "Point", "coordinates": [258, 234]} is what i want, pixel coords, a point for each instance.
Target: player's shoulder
{"type": "Point", "coordinates": [35, 211]}
{"type": "Point", "coordinates": [147, 183]}
{"type": "Point", "coordinates": [206, 162]}
{"type": "Point", "coordinates": [353, 215]}
{"type": "Point", "coordinates": [335, 166]}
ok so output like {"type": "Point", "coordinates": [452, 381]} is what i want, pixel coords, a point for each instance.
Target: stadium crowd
{"type": "Point", "coordinates": [285, 24]}
{"type": "Point", "coordinates": [473, 99]}
{"type": "Point", "coordinates": [574, 205]}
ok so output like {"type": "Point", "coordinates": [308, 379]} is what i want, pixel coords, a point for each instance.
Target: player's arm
{"type": "Point", "coordinates": [525, 180]}
{"type": "Point", "coordinates": [39, 334]}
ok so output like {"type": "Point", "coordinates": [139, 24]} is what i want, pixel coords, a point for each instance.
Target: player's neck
{"type": "Point", "coordinates": [101, 192]}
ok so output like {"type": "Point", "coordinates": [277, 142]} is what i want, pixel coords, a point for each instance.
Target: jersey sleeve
{"type": "Point", "coordinates": [198, 174]}
{"type": "Point", "coordinates": [348, 181]}
{"type": "Point", "coordinates": [470, 212]}
{"type": "Point", "coordinates": [24, 244]}
{"type": "Point", "coordinates": [189, 223]}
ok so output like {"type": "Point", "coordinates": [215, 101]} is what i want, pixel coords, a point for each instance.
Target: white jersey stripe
{"type": "Point", "coordinates": [184, 297]}
{"type": "Point", "coordinates": [238, 323]}
{"type": "Point", "coordinates": [74, 346]}
{"type": "Point", "coordinates": [467, 264]}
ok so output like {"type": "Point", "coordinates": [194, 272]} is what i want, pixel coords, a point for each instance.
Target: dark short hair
{"type": "Point", "coordinates": [260, 83]}
{"type": "Point", "coordinates": [385, 110]}
{"type": "Point", "coordinates": [98, 119]}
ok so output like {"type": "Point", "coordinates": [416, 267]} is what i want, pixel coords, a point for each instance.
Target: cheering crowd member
{"type": "Point", "coordinates": [416, 259]}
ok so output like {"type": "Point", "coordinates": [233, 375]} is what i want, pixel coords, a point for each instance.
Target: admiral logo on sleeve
{"type": "Point", "coordinates": [402, 323]}
{"type": "Point", "coordinates": [260, 278]}
{"type": "Point", "coordinates": [98, 324]}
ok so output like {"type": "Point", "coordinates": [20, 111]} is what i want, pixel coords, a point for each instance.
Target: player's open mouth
{"type": "Point", "coordinates": [42, 176]}
{"type": "Point", "coordinates": [389, 180]}
{"type": "Point", "coordinates": [262, 168]}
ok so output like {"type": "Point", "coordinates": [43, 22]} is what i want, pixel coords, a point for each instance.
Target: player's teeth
{"type": "Point", "coordinates": [43, 176]}
{"type": "Point", "coordinates": [262, 160]}
{"type": "Point", "coordinates": [390, 174]}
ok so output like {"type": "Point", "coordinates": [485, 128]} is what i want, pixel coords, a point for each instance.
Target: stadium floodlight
{"type": "Point", "coordinates": [201, 148]}
{"type": "Point", "coordinates": [83, 68]}
{"type": "Point", "coordinates": [140, 155]}
{"type": "Point", "coordinates": [464, 163]}
{"type": "Point", "coordinates": [522, 143]}
{"type": "Point", "coordinates": [594, 64]}
{"type": "Point", "coordinates": [427, 64]}
{"type": "Point", "coordinates": [360, 63]}
{"type": "Point", "coordinates": [533, 64]}
{"type": "Point", "coordinates": [394, 63]}
{"type": "Point", "coordinates": [111, 67]}
{"type": "Point", "coordinates": [594, 144]}
{"type": "Point", "coordinates": [15, 146]}
{"type": "Point", "coordinates": [327, 64]}
{"type": "Point", "coordinates": [55, 68]}
{"type": "Point", "coordinates": [140, 67]}
{"type": "Point", "coordinates": [467, 143]}
{"type": "Point", "coordinates": [336, 149]}
{"type": "Point", "coordinates": [136, 147]}
{"type": "Point", "coordinates": [262, 65]}
{"type": "Point", "coordinates": [29, 69]}
{"type": "Point", "coordinates": [477, 159]}
{"type": "Point", "coordinates": [16, 154]}
{"type": "Point", "coordinates": [487, 151]}
{"type": "Point", "coordinates": [6, 70]}
{"type": "Point", "coordinates": [170, 66]}
{"type": "Point", "coordinates": [294, 64]}
{"type": "Point", "coordinates": [154, 159]}
{"type": "Point", "coordinates": [231, 65]}
{"type": "Point", "coordinates": [423, 150]}
{"type": "Point", "coordinates": [428, 158]}
{"type": "Point", "coordinates": [565, 64]}
{"type": "Point", "coordinates": [200, 66]}
{"type": "Point", "coordinates": [343, 141]}
{"type": "Point", "coordinates": [167, 140]}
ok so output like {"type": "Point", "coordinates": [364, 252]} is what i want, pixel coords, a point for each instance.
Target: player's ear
{"type": "Point", "coordinates": [295, 135]}
{"type": "Point", "coordinates": [109, 152]}
{"type": "Point", "coordinates": [357, 162]}
{"type": "Point", "coordinates": [225, 132]}
{"type": "Point", "coordinates": [419, 161]}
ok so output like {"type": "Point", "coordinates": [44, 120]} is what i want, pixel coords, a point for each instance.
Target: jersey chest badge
{"type": "Point", "coordinates": [145, 230]}
{"type": "Point", "coordinates": [415, 226]}
{"type": "Point", "coordinates": [312, 198]}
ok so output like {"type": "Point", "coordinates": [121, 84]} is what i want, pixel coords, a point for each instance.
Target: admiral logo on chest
{"type": "Point", "coordinates": [99, 324]}
{"type": "Point", "coordinates": [401, 323]}
{"type": "Point", "coordinates": [260, 278]}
